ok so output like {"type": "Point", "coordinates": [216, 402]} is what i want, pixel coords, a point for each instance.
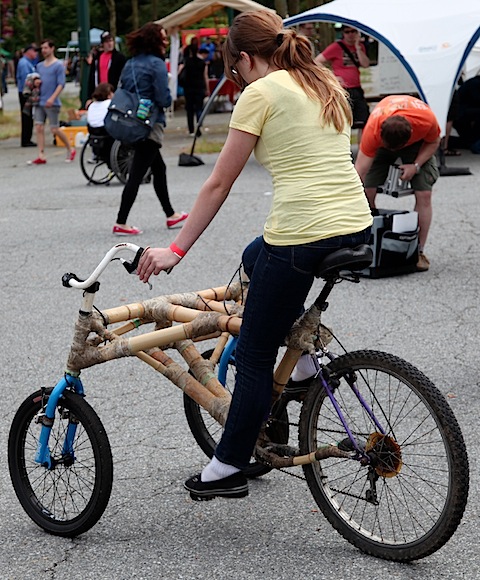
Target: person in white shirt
{"type": "Point", "coordinates": [98, 108]}
{"type": "Point", "coordinates": [96, 112]}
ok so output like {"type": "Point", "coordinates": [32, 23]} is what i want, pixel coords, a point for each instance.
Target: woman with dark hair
{"type": "Point", "coordinates": [146, 74]}
{"type": "Point", "coordinates": [296, 117]}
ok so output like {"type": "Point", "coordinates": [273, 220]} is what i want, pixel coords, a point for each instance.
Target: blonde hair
{"type": "Point", "coordinates": [261, 33]}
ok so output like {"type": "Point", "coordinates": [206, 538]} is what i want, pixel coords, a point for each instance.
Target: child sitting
{"type": "Point", "coordinates": [31, 90]}
{"type": "Point", "coordinates": [95, 121]}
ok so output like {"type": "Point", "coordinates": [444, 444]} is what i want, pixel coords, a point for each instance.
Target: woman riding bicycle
{"type": "Point", "coordinates": [296, 117]}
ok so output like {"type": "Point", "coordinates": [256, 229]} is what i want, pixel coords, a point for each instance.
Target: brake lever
{"type": "Point", "coordinates": [131, 267]}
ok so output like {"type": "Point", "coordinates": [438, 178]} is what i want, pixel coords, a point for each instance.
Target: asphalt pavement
{"type": "Point", "coordinates": [53, 222]}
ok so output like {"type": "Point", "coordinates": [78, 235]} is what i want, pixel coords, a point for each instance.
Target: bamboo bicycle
{"type": "Point", "coordinates": [380, 448]}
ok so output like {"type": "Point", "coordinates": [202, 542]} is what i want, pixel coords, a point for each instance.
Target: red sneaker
{"type": "Point", "coordinates": [37, 161]}
{"type": "Point", "coordinates": [119, 231]}
{"type": "Point", "coordinates": [71, 157]}
{"type": "Point", "coordinates": [176, 222]}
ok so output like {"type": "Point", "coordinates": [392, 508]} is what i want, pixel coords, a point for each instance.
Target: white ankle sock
{"type": "Point", "coordinates": [216, 470]}
{"type": "Point", "coordinates": [304, 369]}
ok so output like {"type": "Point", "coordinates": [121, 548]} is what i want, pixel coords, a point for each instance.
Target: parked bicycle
{"type": "Point", "coordinates": [380, 448]}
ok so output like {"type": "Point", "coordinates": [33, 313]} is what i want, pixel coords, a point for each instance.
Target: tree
{"type": "Point", "coordinates": [135, 18]}
{"type": "Point", "coordinates": [154, 10]}
{"type": "Point", "coordinates": [112, 17]}
{"type": "Point", "coordinates": [281, 7]}
{"type": "Point", "coordinates": [37, 21]}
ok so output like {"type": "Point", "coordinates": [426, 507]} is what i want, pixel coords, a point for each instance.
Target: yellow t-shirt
{"type": "Point", "coordinates": [317, 191]}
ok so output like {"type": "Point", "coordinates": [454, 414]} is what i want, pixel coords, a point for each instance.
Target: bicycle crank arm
{"type": "Point", "coordinates": [274, 455]}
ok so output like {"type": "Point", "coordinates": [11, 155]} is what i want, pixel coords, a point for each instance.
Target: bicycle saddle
{"type": "Point", "coordinates": [345, 259]}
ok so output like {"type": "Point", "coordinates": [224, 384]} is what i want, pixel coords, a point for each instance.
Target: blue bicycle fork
{"type": "Point", "coordinates": [42, 455]}
{"type": "Point", "coordinates": [226, 358]}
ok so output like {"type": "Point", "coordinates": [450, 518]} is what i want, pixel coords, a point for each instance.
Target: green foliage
{"type": "Point", "coordinates": [59, 17]}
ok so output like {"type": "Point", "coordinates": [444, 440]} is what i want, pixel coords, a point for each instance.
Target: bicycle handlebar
{"type": "Point", "coordinates": [72, 281]}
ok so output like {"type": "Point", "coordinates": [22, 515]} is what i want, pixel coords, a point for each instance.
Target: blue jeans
{"type": "Point", "coordinates": [280, 280]}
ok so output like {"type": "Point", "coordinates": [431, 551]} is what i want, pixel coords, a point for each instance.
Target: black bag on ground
{"type": "Point", "coordinates": [394, 252]}
{"type": "Point", "coordinates": [186, 160]}
{"type": "Point", "coordinates": [122, 122]}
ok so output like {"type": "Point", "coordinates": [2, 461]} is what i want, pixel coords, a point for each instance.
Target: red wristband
{"type": "Point", "coordinates": [177, 251]}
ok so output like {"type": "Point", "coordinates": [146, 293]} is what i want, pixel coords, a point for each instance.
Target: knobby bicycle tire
{"type": "Point", "coordinates": [420, 473]}
{"type": "Point", "coordinates": [207, 432]}
{"type": "Point", "coordinates": [95, 171]}
{"type": "Point", "coordinates": [70, 498]}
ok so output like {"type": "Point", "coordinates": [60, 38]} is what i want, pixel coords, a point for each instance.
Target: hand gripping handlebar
{"type": "Point", "coordinates": [72, 281]}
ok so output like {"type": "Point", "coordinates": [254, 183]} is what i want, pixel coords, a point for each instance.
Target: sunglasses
{"type": "Point", "coordinates": [350, 31]}
{"type": "Point", "coordinates": [233, 70]}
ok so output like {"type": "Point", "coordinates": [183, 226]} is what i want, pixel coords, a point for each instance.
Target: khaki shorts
{"type": "Point", "coordinates": [384, 158]}
{"type": "Point", "coordinates": [40, 114]}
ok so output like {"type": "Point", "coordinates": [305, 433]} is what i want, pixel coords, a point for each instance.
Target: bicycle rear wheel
{"type": "Point", "coordinates": [409, 501]}
{"type": "Point", "coordinates": [207, 432]}
{"type": "Point", "coordinates": [69, 498]}
{"type": "Point", "coordinates": [95, 169]}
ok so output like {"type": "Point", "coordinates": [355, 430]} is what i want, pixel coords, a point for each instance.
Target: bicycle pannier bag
{"type": "Point", "coordinates": [394, 241]}
{"type": "Point", "coordinates": [122, 122]}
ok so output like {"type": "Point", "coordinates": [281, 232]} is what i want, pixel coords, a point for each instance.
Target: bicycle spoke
{"type": "Point", "coordinates": [70, 496]}
{"type": "Point", "coordinates": [404, 497]}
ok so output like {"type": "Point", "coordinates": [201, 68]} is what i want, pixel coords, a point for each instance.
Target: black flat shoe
{"type": "Point", "coordinates": [233, 486]}
{"type": "Point", "coordinates": [297, 390]}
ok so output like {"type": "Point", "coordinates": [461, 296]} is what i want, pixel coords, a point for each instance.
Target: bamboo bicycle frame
{"type": "Point", "coordinates": [180, 321]}
{"type": "Point", "coordinates": [200, 316]}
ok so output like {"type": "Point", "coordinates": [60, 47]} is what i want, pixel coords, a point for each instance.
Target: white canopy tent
{"type": "Point", "coordinates": [431, 38]}
{"type": "Point", "coordinates": [191, 13]}
{"type": "Point", "coordinates": [199, 9]}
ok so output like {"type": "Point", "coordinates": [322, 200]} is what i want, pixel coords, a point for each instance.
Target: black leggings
{"type": "Point", "coordinates": [147, 154]}
{"type": "Point", "coordinates": [194, 107]}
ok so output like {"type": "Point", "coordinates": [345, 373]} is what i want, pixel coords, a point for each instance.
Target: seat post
{"type": "Point", "coordinates": [321, 301]}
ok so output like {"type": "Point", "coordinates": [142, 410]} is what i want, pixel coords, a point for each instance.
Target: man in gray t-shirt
{"type": "Point", "coordinates": [52, 76]}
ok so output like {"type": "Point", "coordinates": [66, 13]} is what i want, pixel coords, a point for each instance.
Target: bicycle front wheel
{"type": "Point", "coordinates": [409, 500]}
{"type": "Point", "coordinates": [70, 497]}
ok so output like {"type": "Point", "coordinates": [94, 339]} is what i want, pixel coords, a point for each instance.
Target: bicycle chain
{"type": "Point", "coordinates": [283, 470]}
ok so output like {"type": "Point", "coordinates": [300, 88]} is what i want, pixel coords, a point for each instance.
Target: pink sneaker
{"type": "Point", "coordinates": [71, 157]}
{"type": "Point", "coordinates": [37, 161]}
{"type": "Point", "coordinates": [176, 222]}
{"type": "Point", "coordinates": [119, 231]}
